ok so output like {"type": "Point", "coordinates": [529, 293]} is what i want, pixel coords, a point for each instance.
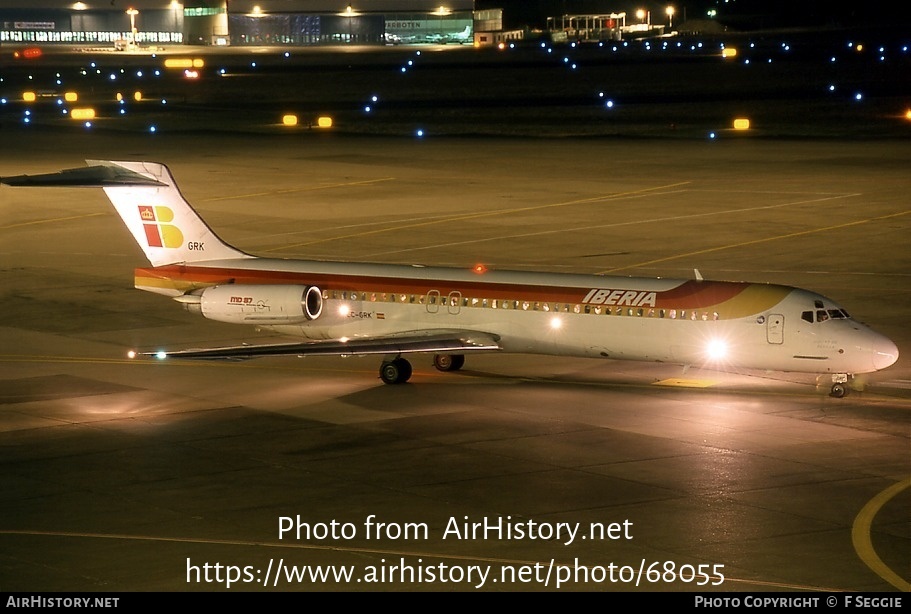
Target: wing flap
{"type": "Point", "coordinates": [404, 343]}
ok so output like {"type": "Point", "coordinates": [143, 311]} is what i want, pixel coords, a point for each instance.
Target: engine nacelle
{"type": "Point", "coordinates": [254, 304]}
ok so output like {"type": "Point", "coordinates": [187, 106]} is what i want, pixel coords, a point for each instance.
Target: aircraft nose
{"type": "Point", "coordinates": [885, 353]}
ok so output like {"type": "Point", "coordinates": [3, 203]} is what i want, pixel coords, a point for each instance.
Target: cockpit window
{"type": "Point", "coordinates": [821, 315]}
{"type": "Point", "coordinates": [818, 304]}
{"type": "Point", "coordinates": [836, 314]}
{"type": "Point", "coordinates": [808, 316]}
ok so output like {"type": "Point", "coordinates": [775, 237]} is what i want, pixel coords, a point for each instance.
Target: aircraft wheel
{"type": "Point", "coordinates": [397, 371]}
{"type": "Point", "coordinates": [448, 362]}
{"type": "Point", "coordinates": [839, 390]}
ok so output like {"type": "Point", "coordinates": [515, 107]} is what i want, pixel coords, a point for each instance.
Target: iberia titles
{"type": "Point", "coordinates": [631, 298]}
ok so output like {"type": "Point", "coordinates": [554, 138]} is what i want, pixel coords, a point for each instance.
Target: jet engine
{"type": "Point", "coordinates": [255, 304]}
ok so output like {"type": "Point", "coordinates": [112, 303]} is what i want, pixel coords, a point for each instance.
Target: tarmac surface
{"type": "Point", "coordinates": [118, 475]}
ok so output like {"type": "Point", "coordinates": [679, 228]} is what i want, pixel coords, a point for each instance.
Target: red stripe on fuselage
{"type": "Point", "coordinates": [687, 295]}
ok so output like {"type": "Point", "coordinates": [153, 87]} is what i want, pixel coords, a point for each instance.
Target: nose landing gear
{"type": "Point", "coordinates": [839, 385]}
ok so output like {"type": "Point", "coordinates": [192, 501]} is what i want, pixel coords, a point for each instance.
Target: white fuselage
{"type": "Point", "coordinates": [719, 324]}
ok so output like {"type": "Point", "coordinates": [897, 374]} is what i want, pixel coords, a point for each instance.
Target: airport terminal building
{"type": "Point", "coordinates": [244, 22]}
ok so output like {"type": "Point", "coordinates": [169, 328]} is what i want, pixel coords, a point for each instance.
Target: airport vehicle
{"type": "Point", "coordinates": [341, 308]}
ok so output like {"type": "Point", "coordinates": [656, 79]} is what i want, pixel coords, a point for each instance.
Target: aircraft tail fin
{"type": "Point", "coordinates": [146, 197]}
{"type": "Point", "coordinates": [162, 222]}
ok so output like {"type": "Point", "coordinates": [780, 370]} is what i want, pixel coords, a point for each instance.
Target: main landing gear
{"type": "Point", "coordinates": [398, 370]}
{"type": "Point", "coordinates": [448, 362]}
{"type": "Point", "coordinates": [395, 371]}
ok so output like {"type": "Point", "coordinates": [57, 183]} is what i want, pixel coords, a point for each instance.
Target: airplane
{"type": "Point", "coordinates": [344, 309]}
{"type": "Point", "coordinates": [460, 37]}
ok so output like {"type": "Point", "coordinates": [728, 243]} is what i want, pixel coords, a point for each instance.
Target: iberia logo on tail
{"type": "Point", "coordinates": [159, 233]}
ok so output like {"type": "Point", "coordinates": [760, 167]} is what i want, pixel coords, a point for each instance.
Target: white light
{"type": "Point", "coordinates": [344, 310]}
{"type": "Point", "coordinates": [161, 355]}
{"type": "Point", "coordinates": [131, 354]}
{"type": "Point", "coordinates": [716, 349]}
{"type": "Point", "coordinates": [556, 323]}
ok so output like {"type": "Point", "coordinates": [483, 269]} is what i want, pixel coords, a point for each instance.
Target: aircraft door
{"type": "Point", "coordinates": [455, 299]}
{"type": "Point", "coordinates": [433, 301]}
{"type": "Point", "coordinates": [775, 328]}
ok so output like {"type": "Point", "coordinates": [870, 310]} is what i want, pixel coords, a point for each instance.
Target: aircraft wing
{"type": "Point", "coordinates": [400, 343]}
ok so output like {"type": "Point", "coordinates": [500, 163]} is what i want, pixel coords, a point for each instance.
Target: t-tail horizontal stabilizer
{"type": "Point", "coordinates": [98, 175]}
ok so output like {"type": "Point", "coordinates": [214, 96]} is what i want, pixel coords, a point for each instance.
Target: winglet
{"type": "Point", "coordinates": [698, 275]}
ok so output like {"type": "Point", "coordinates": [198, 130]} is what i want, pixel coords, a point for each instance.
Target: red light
{"type": "Point", "coordinates": [480, 269]}
{"type": "Point", "coordinates": [31, 52]}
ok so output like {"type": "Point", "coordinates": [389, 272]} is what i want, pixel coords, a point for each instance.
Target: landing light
{"type": "Point", "coordinates": [161, 355]}
{"type": "Point", "coordinates": [344, 310]}
{"type": "Point", "coordinates": [556, 323]}
{"type": "Point", "coordinates": [131, 354]}
{"type": "Point", "coordinates": [716, 349]}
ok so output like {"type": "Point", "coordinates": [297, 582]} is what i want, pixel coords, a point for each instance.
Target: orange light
{"type": "Point", "coordinates": [137, 96]}
{"type": "Point", "coordinates": [86, 113]}
{"type": "Point", "coordinates": [741, 123]}
{"type": "Point", "coordinates": [908, 114]}
{"type": "Point", "coordinates": [728, 52]}
{"type": "Point", "coordinates": [119, 97]}
{"type": "Point", "coordinates": [480, 269]}
{"type": "Point", "coordinates": [198, 63]}
{"type": "Point", "coordinates": [324, 122]}
{"type": "Point", "coordinates": [289, 120]}
{"type": "Point", "coordinates": [71, 96]}
{"type": "Point", "coordinates": [29, 96]}
{"type": "Point", "coordinates": [178, 63]}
